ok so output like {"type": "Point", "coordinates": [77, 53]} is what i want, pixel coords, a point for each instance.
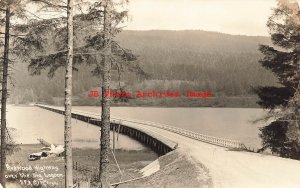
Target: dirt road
{"type": "Point", "coordinates": [235, 169]}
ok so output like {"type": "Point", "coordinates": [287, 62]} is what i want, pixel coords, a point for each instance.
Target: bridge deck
{"type": "Point", "coordinates": [228, 168]}
{"type": "Point", "coordinates": [134, 128]}
{"type": "Point", "coordinates": [157, 142]}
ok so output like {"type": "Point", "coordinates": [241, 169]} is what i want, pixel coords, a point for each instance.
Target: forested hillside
{"type": "Point", "coordinates": [226, 65]}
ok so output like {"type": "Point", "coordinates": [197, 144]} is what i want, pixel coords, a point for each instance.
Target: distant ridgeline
{"type": "Point", "coordinates": [225, 65]}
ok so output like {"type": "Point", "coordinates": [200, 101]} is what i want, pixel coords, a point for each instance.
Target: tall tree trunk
{"type": "Point", "coordinates": [68, 101]}
{"type": "Point", "coordinates": [105, 114]}
{"type": "Point", "coordinates": [105, 128]}
{"type": "Point", "coordinates": [4, 97]}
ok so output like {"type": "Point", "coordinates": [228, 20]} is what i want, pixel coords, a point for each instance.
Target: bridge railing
{"type": "Point", "coordinates": [228, 143]}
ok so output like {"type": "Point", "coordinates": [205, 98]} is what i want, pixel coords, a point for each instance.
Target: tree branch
{"type": "Point", "coordinates": [51, 4]}
{"type": "Point", "coordinates": [12, 35]}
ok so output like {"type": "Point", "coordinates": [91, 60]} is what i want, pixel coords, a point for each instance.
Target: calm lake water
{"type": "Point", "coordinates": [233, 123]}
{"type": "Point", "coordinates": [31, 123]}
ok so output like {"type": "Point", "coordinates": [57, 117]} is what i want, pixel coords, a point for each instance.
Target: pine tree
{"type": "Point", "coordinates": [282, 135]}
{"type": "Point", "coordinates": [4, 94]}
{"type": "Point", "coordinates": [68, 99]}
{"type": "Point", "coordinates": [96, 47]}
{"type": "Point", "coordinates": [8, 9]}
{"type": "Point", "coordinates": [59, 6]}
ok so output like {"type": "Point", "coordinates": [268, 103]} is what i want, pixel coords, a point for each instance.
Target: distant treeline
{"type": "Point", "coordinates": [225, 65]}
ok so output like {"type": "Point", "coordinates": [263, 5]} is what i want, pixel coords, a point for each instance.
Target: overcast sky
{"type": "Point", "coordinates": [244, 17]}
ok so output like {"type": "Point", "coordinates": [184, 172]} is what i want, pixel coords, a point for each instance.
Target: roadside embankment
{"type": "Point", "coordinates": [176, 170]}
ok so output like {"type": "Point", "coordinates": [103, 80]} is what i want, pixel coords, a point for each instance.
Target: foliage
{"type": "Point", "coordinates": [44, 44]}
{"type": "Point", "coordinates": [282, 135]}
{"type": "Point", "coordinates": [174, 65]}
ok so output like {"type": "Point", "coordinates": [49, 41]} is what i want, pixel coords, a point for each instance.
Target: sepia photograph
{"type": "Point", "coordinates": [150, 93]}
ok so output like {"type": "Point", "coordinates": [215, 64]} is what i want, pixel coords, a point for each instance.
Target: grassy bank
{"type": "Point", "coordinates": [86, 161]}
